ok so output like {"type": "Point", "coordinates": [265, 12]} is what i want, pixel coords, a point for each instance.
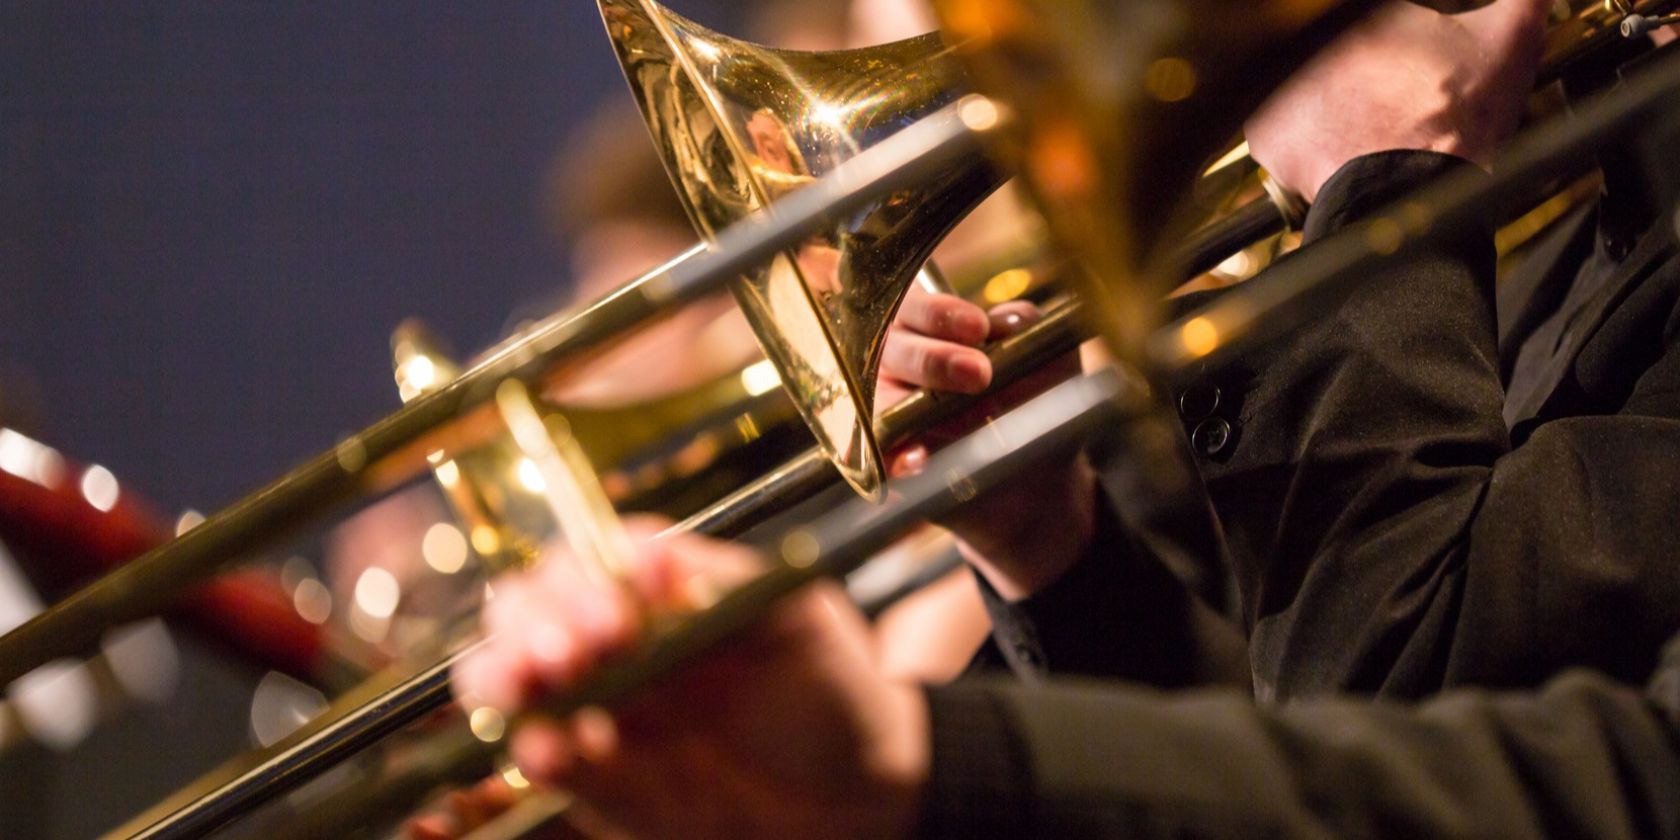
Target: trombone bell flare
{"type": "Point", "coordinates": [1119, 106]}
{"type": "Point", "coordinates": [738, 126]}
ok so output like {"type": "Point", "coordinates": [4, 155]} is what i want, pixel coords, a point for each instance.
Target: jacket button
{"type": "Point", "coordinates": [1211, 436]}
{"type": "Point", "coordinates": [1199, 401]}
{"type": "Point", "coordinates": [1026, 655]}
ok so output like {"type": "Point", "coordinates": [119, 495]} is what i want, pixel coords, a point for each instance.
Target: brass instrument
{"type": "Point", "coordinates": [740, 125]}
{"type": "Point", "coordinates": [395, 449]}
{"type": "Point", "coordinates": [1083, 144]}
{"type": "Point", "coordinates": [808, 551]}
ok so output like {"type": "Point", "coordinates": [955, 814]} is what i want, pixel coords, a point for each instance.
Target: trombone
{"type": "Point", "coordinates": [395, 449]}
{"type": "Point", "coordinates": [398, 448]}
{"type": "Point", "coordinates": [968, 116]}
{"type": "Point", "coordinates": [837, 541]}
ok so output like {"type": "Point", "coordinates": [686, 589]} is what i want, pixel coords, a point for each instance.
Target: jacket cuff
{"type": "Point", "coordinates": [1664, 690]}
{"type": "Point", "coordinates": [978, 784]}
{"type": "Point", "coordinates": [1370, 182]}
{"type": "Point", "coordinates": [1052, 629]}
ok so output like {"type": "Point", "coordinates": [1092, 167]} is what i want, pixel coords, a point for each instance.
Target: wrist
{"type": "Point", "coordinates": [1024, 559]}
{"type": "Point", "coordinates": [904, 760]}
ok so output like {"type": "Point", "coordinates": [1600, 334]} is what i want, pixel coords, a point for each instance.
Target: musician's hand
{"type": "Point", "coordinates": [1409, 78]}
{"type": "Point", "coordinates": [786, 731]}
{"type": "Point", "coordinates": [462, 811]}
{"type": "Point", "coordinates": [934, 343]}
{"type": "Point", "coordinates": [1026, 533]}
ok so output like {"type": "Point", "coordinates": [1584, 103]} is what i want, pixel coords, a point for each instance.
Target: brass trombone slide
{"type": "Point", "coordinates": [831, 546]}
{"type": "Point", "coordinates": [382, 707]}
{"type": "Point", "coordinates": [394, 450]}
{"type": "Point", "coordinates": [1288, 292]}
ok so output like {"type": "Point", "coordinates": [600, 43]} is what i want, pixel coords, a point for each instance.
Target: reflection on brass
{"type": "Point", "coordinates": [1119, 108]}
{"type": "Point", "coordinates": [577, 505]}
{"type": "Point", "coordinates": [505, 519]}
{"type": "Point", "coordinates": [738, 125]}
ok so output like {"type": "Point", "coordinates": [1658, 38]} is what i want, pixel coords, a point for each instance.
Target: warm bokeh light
{"type": "Point", "coordinates": [29, 459]}
{"type": "Point", "coordinates": [1199, 336]}
{"type": "Point", "coordinates": [313, 601]}
{"type": "Point", "coordinates": [1237, 266]}
{"type": "Point", "coordinates": [485, 541]}
{"type": "Point", "coordinates": [444, 548]}
{"type": "Point", "coordinates": [377, 592]}
{"type": "Point", "coordinates": [188, 520]}
{"type": "Point", "coordinates": [1170, 79]}
{"type": "Point", "coordinates": [1007, 285]}
{"type": "Point", "coordinates": [448, 473]}
{"type": "Point", "coordinates": [99, 488]}
{"type": "Point", "coordinates": [143, 659]}
{"type": "Point", "coordinates": [979, 113]}
{"type": "Point", "coordinates": [487, 724]}
{"type": "Point", "coordinates": [530, 477]}
{"type": "Point", "coordinates": [760, 378]}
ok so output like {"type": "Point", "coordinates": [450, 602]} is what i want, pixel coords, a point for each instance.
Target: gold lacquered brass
{"type": "Point", "coordinates": [739, 125]}
{"type": "Point", "coordinates": [494, 489]}
{"type": "Point", "coordinates": [652, 454]}
{"type": "Point", "coordinates": [1120, 105]}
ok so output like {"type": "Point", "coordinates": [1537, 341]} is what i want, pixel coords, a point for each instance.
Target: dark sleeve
{"type": "Point", "coordinates": [1119, 613]}
{"type": "Point", "coordinates": [1385, 535]}
{"type": "Point", "coordinates": [1583, 758]}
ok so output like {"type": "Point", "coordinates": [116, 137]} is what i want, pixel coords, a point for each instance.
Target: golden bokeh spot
{"type": "Point", "coordinates": [485, 541]}
{"type": "Point", "coordinates": [1199, 336]}
{"type": "Point", "coordinates": [800, 548]}
{"type": "Point", "coordinates": [487, 724]}
{"type": "Point", "coordinates": [980, 21]}
{"type": "Point", "coordinates": [1170, 79]}
{"type": "Point", "coordinates": [1384, 236]}
{"type": "Point", "coordinates": [1007, 285]}
{"type": "Point", "coordinates": [979, 113]}
{"type": "Point", "coordinates": [514, 778]}
{"type": "Point", "coordinates": [1061, 162]}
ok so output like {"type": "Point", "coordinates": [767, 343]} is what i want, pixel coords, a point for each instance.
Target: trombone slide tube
{"type": "Point", "coordinates": [829, 547]}
{"type": "Point", "coordinates": [1059, 332]}
{"type": "Point", "coordinates": [393, 450]}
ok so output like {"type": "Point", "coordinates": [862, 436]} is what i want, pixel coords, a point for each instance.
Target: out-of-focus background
{"type": "Point", "coordinates": [212, 215]}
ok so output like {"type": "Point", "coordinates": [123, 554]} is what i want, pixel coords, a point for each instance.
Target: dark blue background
{"type": "Point", "coordinates": [212, 214]}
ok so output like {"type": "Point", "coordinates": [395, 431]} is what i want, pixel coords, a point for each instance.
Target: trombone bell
{"type": "Point", "coordinates": [1120, 105]}
{"type": "Point", "coordinates": [739, 125]}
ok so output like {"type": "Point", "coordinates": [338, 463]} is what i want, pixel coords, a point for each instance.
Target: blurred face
{"type": "Point", "coordinates": [880, 21]}
{"type": "Point", "coordinates": [609, 254]}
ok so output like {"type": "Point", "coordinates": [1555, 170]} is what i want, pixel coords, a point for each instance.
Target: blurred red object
{"type": "Point", "coordinates": [63, 541]}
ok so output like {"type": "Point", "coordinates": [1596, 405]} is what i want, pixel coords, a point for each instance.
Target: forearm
{"type": "Point", "coordinates": [1584, 758]}
{"type": "Point", "coordinates": [1120, 613]}
{"type": "Point", "coordinates": [1360, 448]}
{"type": "Point", "coordinates": [1036, 550]}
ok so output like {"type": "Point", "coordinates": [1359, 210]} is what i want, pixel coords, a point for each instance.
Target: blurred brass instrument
{"type": "Point", "coordinates": [739, 125]}
{"type": "Point", "coordinates": [723, 183]}
{"type": "Point", "coordinates": [1097, 114]}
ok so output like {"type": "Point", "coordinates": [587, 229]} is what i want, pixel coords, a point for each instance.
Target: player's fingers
{"type": "Point", "coordinates": [932, 363]}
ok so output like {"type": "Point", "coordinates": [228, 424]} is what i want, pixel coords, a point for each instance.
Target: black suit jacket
{"type": "Point", "coordinates": [1584, 758]}
{"type": "Point", "coordinates": [1388, 532]}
